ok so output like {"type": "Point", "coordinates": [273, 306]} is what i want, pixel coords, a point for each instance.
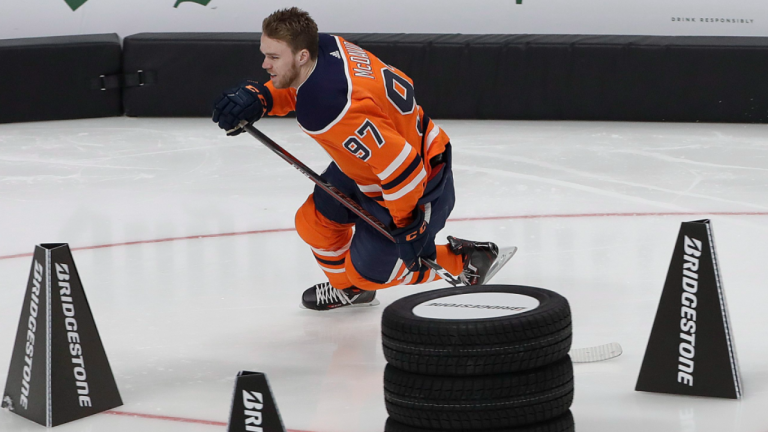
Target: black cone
{"type": "Point", "coordinates": [254, 408]}
{"type": "Point", "coordinates": [691, 349]}
{"type": "Point", "coordinates": [70, 374]}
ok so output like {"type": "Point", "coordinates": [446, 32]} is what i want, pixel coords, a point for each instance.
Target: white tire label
{"type": "Point", "coordinates": [476, 306]}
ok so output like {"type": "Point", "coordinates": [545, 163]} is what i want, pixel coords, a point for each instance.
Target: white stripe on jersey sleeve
{"type": "Point", "coordinates": [407, 188]}
{"type": "Point", "coordinates": [369, 188]}
{"type": "Point", "coordinates": [431, 137]}
{"type": "Point", "coordinates": [397, 162]}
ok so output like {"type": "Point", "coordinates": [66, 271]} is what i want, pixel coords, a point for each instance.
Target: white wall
{"type": "Point", "coordinates": [30, 18]}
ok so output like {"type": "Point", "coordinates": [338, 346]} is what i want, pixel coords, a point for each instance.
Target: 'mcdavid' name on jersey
{"type": "Point", "coordinates": [362, 61]}
{"type": "Point", "coordinates": [688, 311]}
{"type": "Point", "coordinates": [75, 349]}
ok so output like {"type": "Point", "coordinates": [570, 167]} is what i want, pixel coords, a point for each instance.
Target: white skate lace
{"type": "Point", "coordinates": [328, 294]}
{"type": "Point", "coordinates": [470, 275]}
{"type": "Point", "coordinates": [468, 278]}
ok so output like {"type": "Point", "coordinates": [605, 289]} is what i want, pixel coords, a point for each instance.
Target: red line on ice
{"type": "Point", "coordinates": [469, 219]}
{"type": "Point", "coordinates": [176, 419]}
{"type": "Point", "coordinates": [163, 240]}
{"type": "Point", "coordinates": [159, 417]}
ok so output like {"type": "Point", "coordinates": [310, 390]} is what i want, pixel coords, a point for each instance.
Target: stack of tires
{"type": "Point", "coordinates": [490, 358]}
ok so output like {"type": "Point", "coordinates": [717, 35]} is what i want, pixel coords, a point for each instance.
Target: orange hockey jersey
{"type": "Point", "coordinates": [364, 113]}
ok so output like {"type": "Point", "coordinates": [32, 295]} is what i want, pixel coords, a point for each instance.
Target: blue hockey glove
{"type": "Point", "coordinates": [414, 242]}
{"type": "Point", "coordinates": [248, 102]}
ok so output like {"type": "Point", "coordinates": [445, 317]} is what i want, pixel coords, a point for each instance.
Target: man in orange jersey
{"type": "Point", "coordinates": [387, 155]}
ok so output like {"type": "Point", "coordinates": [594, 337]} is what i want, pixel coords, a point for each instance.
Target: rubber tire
{"type": "Point", "coordinates": [486, 346]}
{"type": "Point", "coordinates": [478, 403]}
{"type": "Point", "coordinates": [477, 389]}
{"type": "Point", "coordinates": [564, 423]}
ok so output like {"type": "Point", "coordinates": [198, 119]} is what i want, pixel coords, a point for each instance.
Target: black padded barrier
{"type": "Point", "coordinates": [575, 77]}
{"type": "Point", "coordinates": [58, 78]}
{"type": "Point", "coordinates": [532, 77]}
{"type": "Point", "coordinates": [181, 74]}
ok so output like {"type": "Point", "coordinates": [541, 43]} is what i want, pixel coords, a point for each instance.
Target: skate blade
{"type": "Point", "coordinates": [505, 254]}
{"type": "Point", "coordinates": [369, 304]}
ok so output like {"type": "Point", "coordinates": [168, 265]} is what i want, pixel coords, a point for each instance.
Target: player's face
{"type": "Point", "coordinates": [280, 62]}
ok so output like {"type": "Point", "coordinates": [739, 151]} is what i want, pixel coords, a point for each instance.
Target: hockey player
{"type": "Point", "coordinates": [387, 155]}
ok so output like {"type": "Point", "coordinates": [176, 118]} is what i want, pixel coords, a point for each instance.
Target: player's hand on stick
{"type": "Point", "coordinates": [414, 242]}
{"type": "Point", "coordinates": [247, 103]}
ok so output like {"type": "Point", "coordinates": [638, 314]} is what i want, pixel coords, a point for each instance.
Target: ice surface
{"type": "Point", "coordinates": [201, 271]}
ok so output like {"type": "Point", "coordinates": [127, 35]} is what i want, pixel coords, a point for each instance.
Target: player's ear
{"type": "Point", "coordinates": [303, 57]}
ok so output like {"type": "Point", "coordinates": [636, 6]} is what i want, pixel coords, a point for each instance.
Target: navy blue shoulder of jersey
{"type": "Point", "coordinates": [324, 95]}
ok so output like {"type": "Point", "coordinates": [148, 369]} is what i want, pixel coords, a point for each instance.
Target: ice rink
{"type": "Point", "coordinates": [185, 245]}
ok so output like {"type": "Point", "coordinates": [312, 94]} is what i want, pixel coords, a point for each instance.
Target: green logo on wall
{"type": "Point", "coordinates": [200, 2]}
{"type": "Point", "coordinates": [74, 4]}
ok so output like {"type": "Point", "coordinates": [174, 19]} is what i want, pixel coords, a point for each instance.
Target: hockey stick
{"type": "Point", "coordinates": [339, 196]}
{"type": "Point", "coordinates": [595, 354]}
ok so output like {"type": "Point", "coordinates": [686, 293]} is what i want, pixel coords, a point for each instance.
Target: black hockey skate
{"type": "Point", "coordinates": [482, 260]}
{"type": "Point", "coordinates": [325, 297]}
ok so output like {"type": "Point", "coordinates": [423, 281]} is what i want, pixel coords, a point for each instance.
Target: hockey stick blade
{"type": "Point", "coordinates": [596, 353]}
